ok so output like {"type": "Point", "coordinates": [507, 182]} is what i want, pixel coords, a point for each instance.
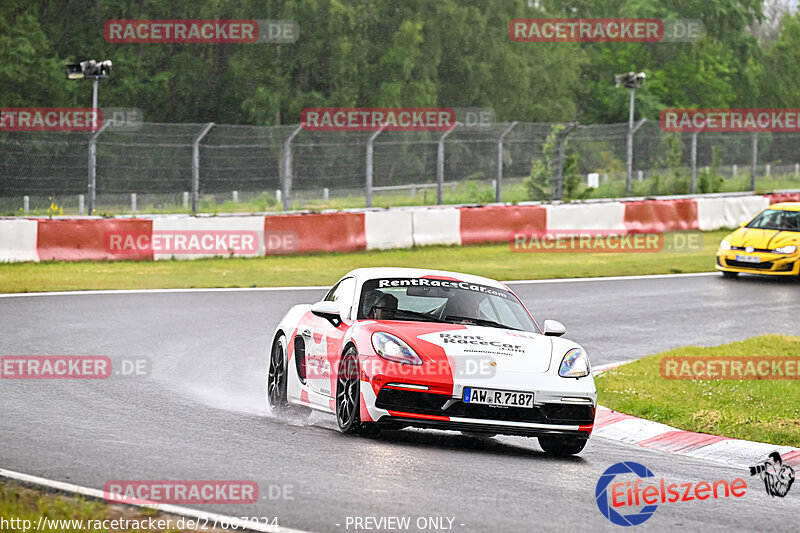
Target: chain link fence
{"type": "Point", "coordinates": [208, 168]}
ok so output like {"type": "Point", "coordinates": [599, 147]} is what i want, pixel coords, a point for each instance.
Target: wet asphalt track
{"type": "Point", "coordinates": [201, 413]}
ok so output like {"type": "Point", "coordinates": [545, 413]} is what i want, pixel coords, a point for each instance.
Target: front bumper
{"type": "Point", "coordinates": [771, 264]}
{"type": "Point", "coordinates": [443, 411]}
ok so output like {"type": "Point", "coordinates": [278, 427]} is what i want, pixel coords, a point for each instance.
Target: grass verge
{"type": "Point", "coordinates": [759, 410]}
{"type": "Point", "coordinates": [492, 260]}
{"type": "Point", "coordinates": [22, 507]}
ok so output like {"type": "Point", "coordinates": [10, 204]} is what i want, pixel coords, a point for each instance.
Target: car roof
{"type": "Point", "coordinates": [786, 206]}
{"type": "Point", "coordinates": [363, 274]}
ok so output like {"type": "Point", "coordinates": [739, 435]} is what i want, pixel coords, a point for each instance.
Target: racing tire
{"type": "Point", "coordinates": [348, 398]}
{"type": "Point", "coordinates": [562, 446]}
{"type": "Point", "coordinates": [277, 376]}
{"type": "Point", "coordinates": [729, 275]}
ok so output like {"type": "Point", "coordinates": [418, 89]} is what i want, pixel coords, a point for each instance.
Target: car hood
{"type": "Point", "coordinates": [762, 238]}
{"type": "Point", "coordinates": [471, 348]}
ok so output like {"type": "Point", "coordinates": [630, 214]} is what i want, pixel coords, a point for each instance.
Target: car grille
{"type": "Point", "coordinates": [425, 403]}
{"type": "Point", "coordinates": [762, 250]}
{"type": "Point", "coordinates": [766, 265]}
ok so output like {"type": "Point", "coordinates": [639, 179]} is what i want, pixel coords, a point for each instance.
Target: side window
{"type": "Point", "coordinates": [332, 292]}
{"type": "Point", "coordinates": [343, 293]}
{"type": "Point", "coordinates": [507, 314]}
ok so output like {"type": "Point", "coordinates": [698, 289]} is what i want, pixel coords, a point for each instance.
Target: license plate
{"type": "Point", "coordinates": [748, 259]}
{"type": "Point", "coordinates": [498, 398]}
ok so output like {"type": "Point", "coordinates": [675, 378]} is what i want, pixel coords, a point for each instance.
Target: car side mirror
{"type": "Point", "coordinates": [329, 311]}
{"type": "Point", "coordinates": [742, 224]}
{"type": "Point", "coordinates": [554, 328]}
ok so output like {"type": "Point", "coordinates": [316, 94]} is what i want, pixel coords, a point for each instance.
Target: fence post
{"type": "Point", "coordinates": [558, 183]}
{"type": "Point", "coordinates": [196, 167]}
{"type": "Point", "coordinates": [499, 186]}
{"type": "Point", "coordinates": [26, 204]}
{"type": "Point", "coordinates": [440, 164]}
{"type": "Point", "coordinates": [370, 152]}
{"type": "Point", "coordinates": [754, 162]}
{"type": "Point", "coordinates": [631, 132]}
{"type": "Point", "coordinates": [133, 203]}
{"type": "Point", "coordinates": [92, 188]}
{"type": "Point", "coordinates": [80, 204]}
{"type": "Point", "coordinates": [693, 188]}
{"type": "Point", "coordinates": [287, 167]}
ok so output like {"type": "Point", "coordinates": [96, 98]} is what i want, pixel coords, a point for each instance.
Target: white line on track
{"type": "Point", "coordinates": [319, 288]}
{"type": "Point", "coordinates": [612, 278]}
{"type": "Point", "coordinates": [236, 523]}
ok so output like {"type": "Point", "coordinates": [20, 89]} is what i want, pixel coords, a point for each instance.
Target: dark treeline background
{"type": "Point", "coordinates": [453, 53]}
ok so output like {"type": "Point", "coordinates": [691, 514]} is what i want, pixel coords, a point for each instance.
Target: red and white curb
{"type": "Point", "coordinates": [629, 429]}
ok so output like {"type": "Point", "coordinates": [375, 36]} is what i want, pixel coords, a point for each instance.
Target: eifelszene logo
{"type": "Point", "coordinates": [616, 496]}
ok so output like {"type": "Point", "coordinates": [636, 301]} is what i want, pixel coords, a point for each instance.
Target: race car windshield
{"type": "Point", "coordinates": [777, 220]}
{"type": "Point", "coordinates": [439, 300]}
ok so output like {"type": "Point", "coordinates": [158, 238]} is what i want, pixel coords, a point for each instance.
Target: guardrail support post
{"type": "Point", "coordinates": [440, 164]}
{"type": "Point", "coordinates": [499, 183]}
{"type": "Point", "coordinates": [693, 188]}
{"type": "Point", "coordinates": [558, 184]}
{"type": "Point", "coordinates": [196, 167]}
{"type": "Point", "coordinates": [754, 162]}
{"type": "Point", "coordinates": [631, 132]}
{"type": "Point", "coordinates": [92, 188]}
{"type": "Point", "coordinates": [370, 154]}
{"type": "Point", "coordinates": [287, 168]}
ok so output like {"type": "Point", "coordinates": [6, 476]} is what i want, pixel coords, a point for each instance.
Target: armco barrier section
{"type": "Point", "coordinates": [326, 232]}
{"type": "Point", "coordinates": [436, 226]}
{"type": "Point", "coordinates": [87, 239]}
{"type": "Point", "coordinates": [228, 225]}
{"type": "Point", "coordinates": [18, 240]}
{"type": "Point", "coordinates": [654, 216]}
{"type": "Point", "coordinates": [495, 223]}
{"type": "Point", "coordinates": [716, 213]}
{"type": "Point", "coordinates": [600, 216]}
{"type": "Point", "coordinates": [391, 228]}
{"type": "Point", "coordinates": [779, 197]}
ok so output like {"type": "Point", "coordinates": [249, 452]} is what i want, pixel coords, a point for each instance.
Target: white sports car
{"type": "Point", "coordinates": [398, 347]}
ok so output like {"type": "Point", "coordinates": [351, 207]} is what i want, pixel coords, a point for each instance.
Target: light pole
{"type": "Point", "coordinates": [630, 80]}
{"type": "Point", "coordinates": [90, 70]}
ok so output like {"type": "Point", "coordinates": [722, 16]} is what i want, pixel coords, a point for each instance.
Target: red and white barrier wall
{"type": "Point", "coordinates": [87, 239]}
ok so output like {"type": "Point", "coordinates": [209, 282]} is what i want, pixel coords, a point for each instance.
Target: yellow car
{"type": "Point", "coordinates": [768, 244]}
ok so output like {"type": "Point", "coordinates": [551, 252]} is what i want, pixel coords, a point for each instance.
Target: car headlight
{"type": "Point", "coordinates": [394, 349]}
{"type": "Point", "coordinates": [724, 245]}
{"type": "Point", "coordinates": [790, 249]}
{"type": "Point", "coordinates": [574, 365]}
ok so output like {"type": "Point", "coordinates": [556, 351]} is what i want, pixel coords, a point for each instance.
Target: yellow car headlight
{"type": "Point", "coordinates": [790, 249]}
{"type": "Point", "coordinates": [724, 245]}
